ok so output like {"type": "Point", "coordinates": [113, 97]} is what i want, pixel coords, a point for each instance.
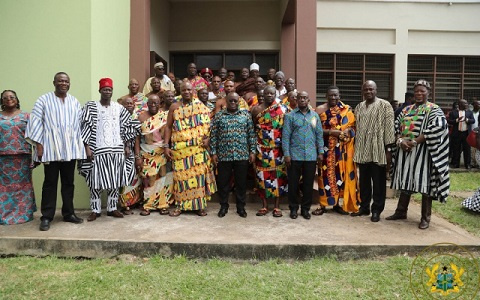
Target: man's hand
{"type": "Point", "coordinates": [89, 153]}
{"type": "Point", "coordinates": [251, 158]}
{"type": "Point", "coordinates": [168, 153]}
{"type": "Point", "coordinates": [288, 161]}
{"type": "Point", "coordinates": [215, 159]}
{"type": "Point", "coordinates": [39, 151]}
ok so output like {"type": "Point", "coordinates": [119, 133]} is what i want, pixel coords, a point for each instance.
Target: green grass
{"type": "Point", "coordinates": [181, 278]}
{"type": "Point", "coordinates": [453, 210]}
{"type": "Point", "coordinates": [464, 182]}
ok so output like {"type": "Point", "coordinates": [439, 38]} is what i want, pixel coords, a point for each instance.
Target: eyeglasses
{"type": "Point", "coordinates": [11, 98]}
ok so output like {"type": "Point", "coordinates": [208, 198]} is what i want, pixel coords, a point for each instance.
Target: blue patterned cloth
{"type": "Point", "coordinates": [302, 136]}
{"type": "Point", "coordinates": [232, 135]}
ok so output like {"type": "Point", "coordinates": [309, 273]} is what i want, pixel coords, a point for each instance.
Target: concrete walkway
{"type": "Point", "coordinates": [234, 237]}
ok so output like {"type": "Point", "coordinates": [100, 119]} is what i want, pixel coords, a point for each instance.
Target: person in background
{"type": "Point", "coordinates": [139, 101]}
{"type": "Point", "coordinates": [195, 80]}
{"type": "Point", "coordinates": [166, 83]}
{"type": "Point", "coordinates": [17, 199]}
{"type": "Point", "coordinates": [461, 121]}
{"type": "Point", "coordinates": [476, 117]}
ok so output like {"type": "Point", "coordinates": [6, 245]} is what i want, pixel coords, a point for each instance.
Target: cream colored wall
{"type": "Point", "coordinates": [242, 25]}
{"type": "Point", "coordinates": [400, 28]}
{"type": "Point", "coordinates": [159, 27]}
{"type": "Point", "coordinates": [86, 39]}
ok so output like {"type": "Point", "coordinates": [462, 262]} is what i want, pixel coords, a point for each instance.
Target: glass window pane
{"type": "Point", "coordinates": [212, 61]}
{"type": "Point", "coordinates": [349, 62]}
{"type": "Point", "coordinates": [378, 62]}
{"type": "Point", "coordinates": [180, 63]}
{"type": "Point", "coordinates": [420, 63]}
{"type": "Point", "coordinates": [471, 87]}
{"type": "Point", "coordinates": [350, 85]}
{"type": "Point", "coordinates": [238, 61]}
{"type": "Point", "coordinates": [472, 64]}
{"type": "Point", "coordinates": [324, 61]}
{"type": "Point", "coordinates": [447, 89]}
{"type": "Point", "coordinates": [324, 80]}
{"type": "Point", "coordinates": [449, 64]}
{"type": "Point", "coordinates": [266, 61]}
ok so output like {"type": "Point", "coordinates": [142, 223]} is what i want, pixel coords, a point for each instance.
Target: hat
{"type": "Point", "coordinates": [206, 70]}
{"type": "Point", "coordinates": [159, 64]}
{"type": "Point", "coordinates": [254, 66]}
{"type": "Point", "coordinates": [105, 82]}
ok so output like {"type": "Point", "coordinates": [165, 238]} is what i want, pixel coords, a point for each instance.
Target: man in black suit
{"type": "Point", "coordinates": [461, 121]}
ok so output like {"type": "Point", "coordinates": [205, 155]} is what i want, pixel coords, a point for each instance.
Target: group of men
{"type": "Point", "coordinates": [229, 126]}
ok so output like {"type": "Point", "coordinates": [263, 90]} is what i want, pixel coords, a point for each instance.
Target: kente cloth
{"type": "Point", "coordinates": [425, 168]}
{"type": "Point", "coordinates": [338, 172]}
{"type": "Point", "coordinates": [106, 130]}
{"type": "Point", "coordinates": [17, 199]}
{"type": "Point", "coordinates": [156, 173]}
{"type": "Point", "coordinates": [246, 86]}
{"type": "Point", "coordinates": [252, 101]}
{"type": "Point", "coordinates": [473, 203]}
{"type": "Point", "coordinates": [132, 193]}
{"type": "Point", "coordinates": [270, 168]}
{"type": "Point", "coordinates": [198, 83]}
{"type": "Point", "coordinates": [55, 124]}
{"type": "Point", "coordinates": [193, 178]}
{"type": "Point", "coordinates": [140, 102]}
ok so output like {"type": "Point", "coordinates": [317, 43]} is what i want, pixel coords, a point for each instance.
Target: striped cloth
{"type": "Point", "coordinates": [56, 125]}
{"type": "Point", "coordinates": [375, 130]}
{"type": "Point", "coordinates": [109, 168]}
{"type": "Point", "coordinates": [424, 169]}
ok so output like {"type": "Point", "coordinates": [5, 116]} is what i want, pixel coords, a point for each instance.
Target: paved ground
{"type": "Point", "coordinates": [232, 236]}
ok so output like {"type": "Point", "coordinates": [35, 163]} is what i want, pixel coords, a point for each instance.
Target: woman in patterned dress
{"type": "Point", "coordinates": [17, 200]}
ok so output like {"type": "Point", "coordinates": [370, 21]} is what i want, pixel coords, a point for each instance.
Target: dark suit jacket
{"type": "Point", "coordinates": [452, 120]}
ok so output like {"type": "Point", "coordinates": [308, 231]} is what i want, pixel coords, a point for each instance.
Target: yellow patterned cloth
{"type": "Point", "coordinates": [156, 172]}
{"type": "Point", "coordinates": [193, 178]}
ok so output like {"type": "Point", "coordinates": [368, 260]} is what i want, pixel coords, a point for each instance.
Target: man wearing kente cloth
{"type": "Point", "coordinates": [186, 142]}
{"type": "Point", "coordinates": [270, 166]}
{"type": "Point", "coordinates": [338, 173]}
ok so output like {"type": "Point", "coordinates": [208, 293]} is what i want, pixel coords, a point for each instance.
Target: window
{"type": "Point", "coordinates": [350, 71]}
{"type": "Point", "coordinates": [452, 77]}
{"type": "Point", "coordinates": [232, 61]}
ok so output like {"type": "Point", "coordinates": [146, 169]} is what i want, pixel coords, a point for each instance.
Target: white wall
{"type": "Point", "coordinates": [400, 28]}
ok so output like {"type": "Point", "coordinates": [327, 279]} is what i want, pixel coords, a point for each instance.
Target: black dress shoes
{"type": "Point", "coordinates": [222, 212]}
{"type": "Point", "coordinates": [361, 212]}
{"type": "Point", "coordinates": [293, 214]}
{"type": "Point", "coordinates": [115, 214]}
{"type": "Point", "coordinates": [339, 210]}
{"type": "Point", "coordinates": [375, 217]}
{"type": "Point", "coordinates": [44, 225]}
{"type": "Point", "coordinates": [73, 219]}
{"type": "Point", "coordinates": [242, 213]}
{"type": "Point", "coordinates": [306, 215]}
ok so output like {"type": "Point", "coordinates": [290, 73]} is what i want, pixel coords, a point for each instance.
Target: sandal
{"type": "Point", "coordinates": [319, 211]}
{"type": "Point", "coordinates": [175, 213]}
{"type": "Point", "coordinates": [145, 212]}
{"type": "Point", "coordinates": [127, 211]}
{"type": "Point", "coordinates": [277, 212]}
{"type": "Point", "coordinates": [262, 211]}
{"type": "Point", "coordinates": [164, 211]}
{"type": "Point", "coordinates": [201, 213]}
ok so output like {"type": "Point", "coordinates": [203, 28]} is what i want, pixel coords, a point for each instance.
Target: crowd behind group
{"type": "Point", "coordinates": [172, 145]}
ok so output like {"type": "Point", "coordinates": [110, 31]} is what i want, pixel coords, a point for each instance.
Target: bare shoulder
{"type": "Point", "coordinates": [321, 108]}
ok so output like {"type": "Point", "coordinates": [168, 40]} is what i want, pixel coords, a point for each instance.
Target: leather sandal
{"type": "Point", "coordinates": [277, 212]}
{"type": "Point", "coordinates": [201, 213]}
{"type": "Point", "coordinates": [145, 212]}
{"type": "Point", "coordinates": [262, 211]}
{"type": "Point", "coordinates": [164, 211]}
{"type": "Point", "coordinates": [175, 213]}
{"type": "Point", "coordinates": [319, 211]}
